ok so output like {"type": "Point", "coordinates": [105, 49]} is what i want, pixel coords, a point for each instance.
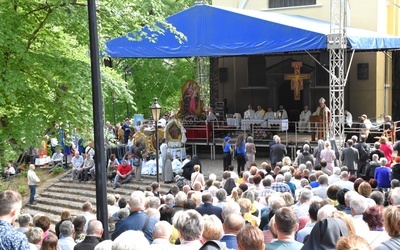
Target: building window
{"type": "Point", "coordinates": [290, 3]}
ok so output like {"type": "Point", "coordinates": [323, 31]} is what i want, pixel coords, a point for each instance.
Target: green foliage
{"type": "Point", "coordinates": [22, 189]}
{"type": "Point", "coordinates": [45, 69]}
{"type": "Point", "coordinates": [58, 170]}
{"type": "Point", "coordinates": [164, 82]}
{"type": "Point", "coordinates": [23, 174]}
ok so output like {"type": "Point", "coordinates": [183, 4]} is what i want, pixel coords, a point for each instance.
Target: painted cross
{"type": "Point", "coordinates": [297, 79]}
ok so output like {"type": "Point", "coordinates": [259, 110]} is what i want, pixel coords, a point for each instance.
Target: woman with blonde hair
{"type": "Point", "coordinates": [328, 155]}
{"type": "Point", "coordinates": [245, 209]}
{"type": "Point", "coordinates": [352, 242]}
{"type": "Point", "coordinates": [236, 194]}
{"type": "Point", "coordinates": [197, 176]}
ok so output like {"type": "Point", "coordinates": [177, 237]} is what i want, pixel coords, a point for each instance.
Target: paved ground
{"type": "Point", "coordinates": [216, 166]}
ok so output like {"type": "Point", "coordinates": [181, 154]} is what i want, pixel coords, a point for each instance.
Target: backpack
{"type": "Point", "coordinates": [363, 151]}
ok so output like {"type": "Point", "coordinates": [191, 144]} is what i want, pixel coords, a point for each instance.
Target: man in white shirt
{"type": "Point", "coordinates": [249, 113]}
{"type": "Point", "coordinates": [87, 209]}
{"type": "Point", "coordinates": [358, 205]}
{"type": "Point", "coordinates": [77, 163]}
{"type": "Point", "coordinates": [344, 182]}
{"type": "Point", "coordinates": [57, 157]}
{"type": "Point", "coordinates": [348, 119]}
{"type": "Point", "coordinates": [335, 177]}
{"type": "Point", "coordinates": [302, 206]}
{"type": "Point", "coordinates": [304, 120]}
{"type": "Point", "coordinates": [162, 234]}
{"type": "Point", "coordinates": [322, 188]}
{"type": "Point", "coordinates": [66, 241]}
{"type": "Point", "coordinates": [33, 180]}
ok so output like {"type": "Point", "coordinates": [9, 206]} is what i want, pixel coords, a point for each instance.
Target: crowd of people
{"type": "Point", "coordinates": [318, 201]}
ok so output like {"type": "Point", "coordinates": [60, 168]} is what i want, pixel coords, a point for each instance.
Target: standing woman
{"type": "Point", "coordinates": [387, 150]}
{"type": "Point", "coordinates": [240, 153]}
{"type": "Point", "coordinates": [250, 151]}
{"type": "Point", "coordinates": [329, 156]}
{"type": "Point", "coordinates": [226, 147]}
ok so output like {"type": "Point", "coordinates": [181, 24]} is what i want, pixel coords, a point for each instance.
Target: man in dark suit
{"type": "Point", "coordinates": [232, 224]}
{"type": "Point", "coordinates": [208, 208]}
{"type": "Point", "coordinates": [363, 152]}
{"type": "Point", "coordinates": [277, 152]}
{"type": "Point", "coordinates": [350, 157]}
{"type": "Point", "coordinates": [93, 237]}
{"type": "Point", "coordinates": [138, 220]}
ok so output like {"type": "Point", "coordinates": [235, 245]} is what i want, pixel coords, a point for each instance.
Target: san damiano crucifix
{"type": "Point", "coordinates": [297, 79]}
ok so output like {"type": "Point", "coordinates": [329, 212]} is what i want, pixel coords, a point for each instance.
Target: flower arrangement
{"type": "Point", "coordinates": [262, 134]}
{"type": "Point", "coordinates": [190, 119]}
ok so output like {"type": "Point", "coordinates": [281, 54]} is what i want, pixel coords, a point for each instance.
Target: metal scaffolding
{"type": "Point", "coordinates": [337, 44]}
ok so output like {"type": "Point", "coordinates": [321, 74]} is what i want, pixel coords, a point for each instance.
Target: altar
{"type": "Point", "coordinates": [246, 123]}
{"type": "Point", "coordinates": [234, 122]}
{"type": "Point", "coordinates": [282, 123]}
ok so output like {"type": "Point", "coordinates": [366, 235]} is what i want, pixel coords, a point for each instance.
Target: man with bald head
{"type": "Point", "coordinates": [138, 219]}
{"type": "Point", "coordinates": [162, 234]}
{"type": "Point", "coordinates": [232, 224]}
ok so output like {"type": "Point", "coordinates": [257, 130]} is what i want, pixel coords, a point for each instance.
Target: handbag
{"type": "Point", "coordinates": [135, 162]}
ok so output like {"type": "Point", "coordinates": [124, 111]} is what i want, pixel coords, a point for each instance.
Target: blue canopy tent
{"type": "Point", "coordinates": [217, 31]}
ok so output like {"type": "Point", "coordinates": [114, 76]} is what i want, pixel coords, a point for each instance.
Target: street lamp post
{"type": "Point", "coordinates": [128, 72]}
{"type": "Point", "coordinates": [113, 103]}
{"type": "Point", "coordinates": [155, 112]}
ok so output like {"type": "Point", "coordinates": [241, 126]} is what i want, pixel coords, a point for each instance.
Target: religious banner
{"type": "Point", "coordinates": [297, 79]}
{"type": "Point", "coordinates": [191, 103]}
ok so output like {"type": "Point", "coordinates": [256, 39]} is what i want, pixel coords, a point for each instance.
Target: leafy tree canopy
{"type": "Point", "coordinates": [45, 65]}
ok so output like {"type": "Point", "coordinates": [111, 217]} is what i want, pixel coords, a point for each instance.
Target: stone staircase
{"type": "Point", "coordinates": [63, 193]}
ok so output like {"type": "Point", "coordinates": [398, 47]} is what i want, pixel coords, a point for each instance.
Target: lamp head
{"type": "Point", "coordinates": [155, 109]}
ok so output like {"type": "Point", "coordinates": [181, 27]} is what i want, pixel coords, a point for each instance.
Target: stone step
{"type": "Point", "coordinates": [65, 194]}
{"type": "Point", "coordinates": [66, 204]}
{"type": "Point", "coordinates": [67, 183]}
{"type": "Point", "coordinates": [50, 211]}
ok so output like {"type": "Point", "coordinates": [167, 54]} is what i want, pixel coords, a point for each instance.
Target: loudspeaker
{"type": "Point", "coordinates": [108, 62]}
{"type": "Point", "coordinates": [223, 74]}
